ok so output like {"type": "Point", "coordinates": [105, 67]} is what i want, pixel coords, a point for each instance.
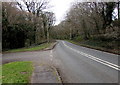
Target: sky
{"type": "Point", "coordinates": [60, 8]}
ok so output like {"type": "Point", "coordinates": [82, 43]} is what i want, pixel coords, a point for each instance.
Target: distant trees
{"type": "Point", "coordinates": [89, 19]}
{"type": "Point", "coordinates": [91, 22]}
{"type": "Point", "coordinates": [26, 23]}
{"type": "Point", "coordinates": [21, 27]}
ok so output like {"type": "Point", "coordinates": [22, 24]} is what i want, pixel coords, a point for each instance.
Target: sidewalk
{"type": "Point", "coordinates": [45, 74]}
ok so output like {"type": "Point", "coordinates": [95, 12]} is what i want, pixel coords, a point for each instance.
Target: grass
{"type": "Point", "coordinates": [87, 44]}
{"type": "Point", "coordinates": [0, 75]}
{"type": "Point", "coordinates": [39, 47]}
{"type": "Point", "coordinates": [17, 72]}
{"type": "Point", "coordinates": [98, 45]}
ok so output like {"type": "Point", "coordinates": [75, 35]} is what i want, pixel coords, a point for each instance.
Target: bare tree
{"type": "Point", "coordinates": [118, 9]}
{"type": "Point", "coordinates": [36, 8]}
{"type": "Point", "coordinates": [49, 18]}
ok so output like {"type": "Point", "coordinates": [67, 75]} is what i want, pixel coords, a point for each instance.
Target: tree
{"type": "Point", "coordinates": [118, 9]}
{"type": "Point", "coordinates": [23, 27]}
{"type": "Point", "coordinates": [48, 22]}
{"type": "Point", "coordinates": [88, 20]}
{"type": "Point", "coordinates": [12, 30]}
{"type": "Point", "coordinates": [36, 8]}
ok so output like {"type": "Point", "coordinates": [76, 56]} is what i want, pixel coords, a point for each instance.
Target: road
{"type": "Point", "coordinates": [76, 64]}
{"type": "Point", "coordinates": [83, 65]}
{"type": "Point", "coordinates": [37, 57]}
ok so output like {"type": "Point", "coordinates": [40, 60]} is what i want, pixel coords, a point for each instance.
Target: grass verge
{"type": "Point", "coordinates": [17, 72]}
{"type": "Point", "coordinates": [39, 47]}
{"type": "Point", "coordinates": [95, 45]}
{"type": "Point", "coordinates": [0, 74]}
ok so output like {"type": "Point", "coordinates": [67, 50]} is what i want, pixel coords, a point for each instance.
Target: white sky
{"type": "Point", "coordinates": [60, 7]}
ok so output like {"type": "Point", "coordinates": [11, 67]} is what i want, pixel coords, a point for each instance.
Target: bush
{"type": "Point", "coordinates": [79, 38]}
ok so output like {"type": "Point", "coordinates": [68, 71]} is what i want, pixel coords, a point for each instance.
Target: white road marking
{"type": "Point", "coordinates": [51, 59]}
{"type": "Point", "coordinates": [114, 66]}
{"type": "Point", "coordinates": [51, 55]}
{"type": "Point", "coordinates": [51, 52]}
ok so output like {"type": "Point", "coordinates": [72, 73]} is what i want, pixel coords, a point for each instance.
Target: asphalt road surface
{"type": "Point", "coordinates": [76, 64]}
{"type": "Point", "coordinates": [84, 65]}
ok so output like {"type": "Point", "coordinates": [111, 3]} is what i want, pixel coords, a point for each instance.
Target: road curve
{"type": "Point", "coordinates": [84, 65]}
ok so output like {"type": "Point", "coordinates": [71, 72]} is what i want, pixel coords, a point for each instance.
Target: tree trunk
{"type": "Point", "coordinates": [118, 9]}
{"type": "Point", "coordinates": [48, 40]}
{"type": "Point", "coordinates": [70, 33]}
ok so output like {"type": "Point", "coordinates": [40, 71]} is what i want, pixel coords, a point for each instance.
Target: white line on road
{"type": "Point", "coordinates": [51, 55]}
{"type": "Point", "coordinates": [51, 52]}
{"type": "Point", "coordinates": [114, 66]}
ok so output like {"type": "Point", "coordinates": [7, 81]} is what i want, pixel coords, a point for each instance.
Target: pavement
{"type": "Point", "coordinates": [84, 65]}
{"type": "Point", "coordinates": [45, 74]}
{"type": "Point", "coordinates": [75, 64]}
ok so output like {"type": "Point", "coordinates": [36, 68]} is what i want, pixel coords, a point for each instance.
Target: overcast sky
{"type": "Point", "coordinates": [60, 7]}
